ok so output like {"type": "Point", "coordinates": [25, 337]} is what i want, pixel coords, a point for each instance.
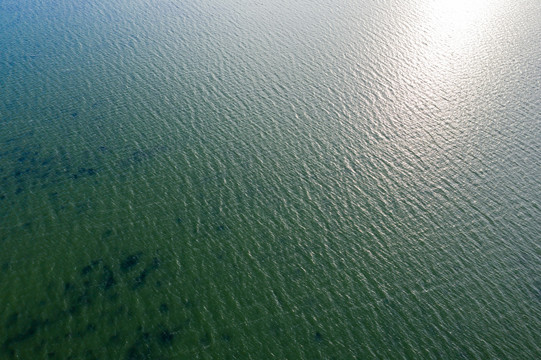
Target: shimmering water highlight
{"type": "Point", "coordinates": [232, 179]}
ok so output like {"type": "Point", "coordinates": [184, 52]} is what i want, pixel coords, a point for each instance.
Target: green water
{"type": "Point", "coordinates": [278, 179]}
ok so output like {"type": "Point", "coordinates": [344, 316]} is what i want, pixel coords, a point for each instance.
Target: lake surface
{"type": "Point", "coordinates": [235, 179]}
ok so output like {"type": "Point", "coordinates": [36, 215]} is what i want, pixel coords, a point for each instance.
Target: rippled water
{"type": "Point", "coordinates": [232, 179]}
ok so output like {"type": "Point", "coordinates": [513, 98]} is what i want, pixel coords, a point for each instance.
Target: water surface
{"type": "Point", "coordinates": [279, 179]}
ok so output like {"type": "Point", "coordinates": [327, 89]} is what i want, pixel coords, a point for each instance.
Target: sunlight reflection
{"type": "Point", "coordinates": [458, 16]}
{"type": "Point", "coordinates": [447, 61]}
{"type": "Point", "coordinates": [458, 26]}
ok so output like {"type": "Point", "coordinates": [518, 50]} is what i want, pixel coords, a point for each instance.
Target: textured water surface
{"type": "Point", "coordinates": [233, 179]}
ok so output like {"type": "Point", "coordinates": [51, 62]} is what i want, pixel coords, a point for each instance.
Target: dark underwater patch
{"type": "Point", "coordinates": [86, 270]}
{"type": "Point", "coordinates": [130, 262]}
{"type": "Point", "coordinates": [12, 320]}
{"type": "Point", "coordinates": [84, 171]}
{"type": "Point", "coordinates": [24, 335]}
{"type": "Point", "coordinates": [67, 287]}
{"type": "Point", "coordinates": [94, 286]}
{"type": "Point", "coordinates": [108, 279]}
{"type": "Point", "coordinates": [141, 349]}
{"type": "Point", "coordinates": [205, 340]}
{"type": "Point", "coordinates": [164, 308]}
{"type": "Point", "coordinates": [165, 337]}
{"type": "Point", "coordinates": [140, 280]}
{"type": "Point", "coordinates": [89, 355]}
{"type": "Point", "coordinates": [91, 327]}
{"type": "Point", "coordinates": [114, 339]}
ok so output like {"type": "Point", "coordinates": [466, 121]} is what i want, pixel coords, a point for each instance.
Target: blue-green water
{"type": "Point", "coordinates": [232, 179]}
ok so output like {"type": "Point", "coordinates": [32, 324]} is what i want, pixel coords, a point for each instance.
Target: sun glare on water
{"type": "Point", "coordinates": [460, 11]}
{"type": "Point", "coordinates": [449, 46]}
{"type": "Point", "coordinates": [459, 25]}
{"type": "Point", "coordinates": [459, 15]}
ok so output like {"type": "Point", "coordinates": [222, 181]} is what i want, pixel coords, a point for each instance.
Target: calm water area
{"type": "Point", "coordinates": [239, 179]}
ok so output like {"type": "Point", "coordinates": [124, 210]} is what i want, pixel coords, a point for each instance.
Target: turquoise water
{"type": "Point", "coordinates": [278, 179]}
